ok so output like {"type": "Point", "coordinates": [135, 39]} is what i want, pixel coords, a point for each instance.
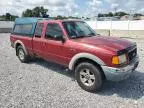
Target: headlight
{"type": "Point", "coordinates": [119, 59]}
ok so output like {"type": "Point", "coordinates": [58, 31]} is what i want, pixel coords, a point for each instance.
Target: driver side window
{"type": "Point", "coordinates": [53, 31]}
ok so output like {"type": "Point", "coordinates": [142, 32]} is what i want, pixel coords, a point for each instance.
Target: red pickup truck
{"type": "Point", "coordinates": [72, 43]}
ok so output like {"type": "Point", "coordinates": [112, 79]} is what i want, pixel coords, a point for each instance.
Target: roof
{"type": "Point", "coordinates": [68, 20]}
{"type": "Point", "coordinates": [59, 20]}
{"type": "Point", "coordinates": [28, 20]}
{"type": "Point", "coordinates": [34, 20]}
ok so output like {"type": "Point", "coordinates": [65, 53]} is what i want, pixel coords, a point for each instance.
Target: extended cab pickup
{"type": "Point", "coordinates": [72, 43]}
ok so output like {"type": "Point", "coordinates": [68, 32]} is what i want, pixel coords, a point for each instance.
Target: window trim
{"type": "Point", "coordinates": [23, 34]}
{"type": "Point", "coordinates": [46, 30]}
{"type": "Point", "coordinates": [41, 31]}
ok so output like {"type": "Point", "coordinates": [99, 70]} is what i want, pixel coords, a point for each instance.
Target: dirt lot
{"type": "Point", "coordinates": [44, 84]}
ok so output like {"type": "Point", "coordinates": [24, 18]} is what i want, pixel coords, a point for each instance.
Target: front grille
{"type": "Point", "coordinates": [132, 54]}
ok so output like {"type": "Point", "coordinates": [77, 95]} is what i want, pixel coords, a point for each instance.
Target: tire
{"type": "Point", "coordinates": [91, 82]}
{"type": "Point", "coordinates": [22, 55]}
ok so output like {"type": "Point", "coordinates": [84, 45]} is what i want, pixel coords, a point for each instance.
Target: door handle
{"type": "Point", "coordinates": [72, 49]}
{"type": "Point", "coordinates": [43, 43]}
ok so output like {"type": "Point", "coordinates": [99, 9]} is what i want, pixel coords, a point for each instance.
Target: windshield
{"type": "Point", "coordinates": [77, 29]}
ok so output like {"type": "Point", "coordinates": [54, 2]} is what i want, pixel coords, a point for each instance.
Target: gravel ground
{"type": "Point", "coordinates": [44, 84]}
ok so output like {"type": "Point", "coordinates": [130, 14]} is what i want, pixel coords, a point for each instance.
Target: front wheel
{"type": "Point", "coordinates": [88, 76]}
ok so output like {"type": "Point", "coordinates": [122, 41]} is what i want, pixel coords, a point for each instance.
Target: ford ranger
{"type": "Point", "coordinates": [73, 44]}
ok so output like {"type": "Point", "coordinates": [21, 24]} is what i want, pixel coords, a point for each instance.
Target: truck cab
{"type": "Point", "coordinates": [73, 44]}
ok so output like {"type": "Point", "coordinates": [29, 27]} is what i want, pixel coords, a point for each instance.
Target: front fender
{"type": "Point", "coordinates": [85, 55]}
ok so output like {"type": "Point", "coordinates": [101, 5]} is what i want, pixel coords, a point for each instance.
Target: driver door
{"type": "Point", "coordinates": [54, 47]}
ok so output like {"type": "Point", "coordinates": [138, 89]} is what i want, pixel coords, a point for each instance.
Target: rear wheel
{"type": "Point", "coordinates": [88, 76]}
{"type": "Point", "coordinates": [22, 55]}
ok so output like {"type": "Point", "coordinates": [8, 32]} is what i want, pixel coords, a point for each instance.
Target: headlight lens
{"type": "Point", "coordinates": [119, 59]}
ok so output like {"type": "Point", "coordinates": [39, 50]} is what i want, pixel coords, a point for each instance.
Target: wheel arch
{"type": "Point", "coordinates": [17, 43]}
{"type": "Point", "coordinates": [86, 57]}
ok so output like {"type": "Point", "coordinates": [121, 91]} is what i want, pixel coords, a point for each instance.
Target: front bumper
{"type": "Point", "coordinates": [118, 74]}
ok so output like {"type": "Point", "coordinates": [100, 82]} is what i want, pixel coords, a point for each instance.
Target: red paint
{"type": "Point", "coordinates": [56, 51]}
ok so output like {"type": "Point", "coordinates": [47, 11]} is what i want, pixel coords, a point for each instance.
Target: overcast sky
{"type": "Point", "coordinates": [72, 7]}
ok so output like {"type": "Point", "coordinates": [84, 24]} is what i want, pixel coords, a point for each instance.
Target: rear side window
{"type": "Point", "coordinates": [26, 29]}
{"type": "Point", "coordinates": [23, 29]}
{"type": "Point", "coordinates": [53, 30]}
{"type": "Point", "coordinates": [17, 29]}
{"type": "Point", "coordinates": [38, 30]}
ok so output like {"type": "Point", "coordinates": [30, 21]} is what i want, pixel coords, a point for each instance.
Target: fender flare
{"type": "Point", "coordinates": [20, 42]}
{"type": "Point", "coordinates": [85, 55]}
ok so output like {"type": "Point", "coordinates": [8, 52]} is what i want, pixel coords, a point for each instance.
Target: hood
{"type": "Point", "coordinates": [110, 43]}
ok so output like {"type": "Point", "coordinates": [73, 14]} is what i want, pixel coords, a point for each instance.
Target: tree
{"type": "Point", "coordinates": [13, 17]}
{"type": "Point", "coordinates": [120, 14]}
{"type": "Point", "coordinates": [27, 13]}
{"type": "Point", "coordinates": [43, 12]}
{"type": "Point", "coordinates": [137, 14]}
{"type": "Point", "coordinates": [8, 16]}
{"type": "Point", "coordinates": [60, 17]}
{"type": "Point", "coordinates": [110, 14]}
{"type": "Point", "coordinates": [100, 15]}
{"type": "Point", "coordinates": [36, 12]}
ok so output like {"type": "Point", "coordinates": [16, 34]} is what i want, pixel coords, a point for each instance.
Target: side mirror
{"type": "Point", "coordinates": [63, 39]}
{"type": "Point", "coordinates": [38, 36]}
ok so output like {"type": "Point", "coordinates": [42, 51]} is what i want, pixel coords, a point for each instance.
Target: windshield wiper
{"type": "Point", "coordinates": [72, 37]}
{"type": "Point", "coordinates": [91, 34]}
{"type": "Point", "coordinates": [83, 36]}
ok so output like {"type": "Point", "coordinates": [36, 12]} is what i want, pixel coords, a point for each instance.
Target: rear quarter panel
{"type": "Point", "coordinates": [27, 41]}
